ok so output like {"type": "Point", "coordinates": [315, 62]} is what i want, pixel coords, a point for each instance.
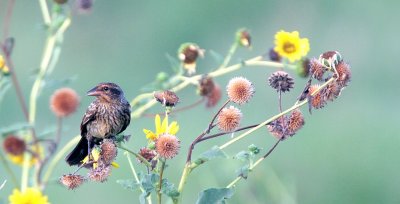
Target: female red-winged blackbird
{"type": "Point", "coordinates": [108, 115]}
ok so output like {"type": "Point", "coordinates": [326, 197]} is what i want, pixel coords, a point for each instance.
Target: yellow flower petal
{"type": "Point", "coordinates": [157, 121]}
{"type": "Point", "coordinates": [115, 164]}
{"type": "Point", "coordinates": [173, 128]}
{"type": "Point", "coordinates": [30, 195]}
{"type": "Point", "coordinates": [150, 134]}
{"type": "Point", "coordinates": [290, 45]}
{"type": "Point", "coordinates": [164, 125]}
{"type": "Point", "coordinates": [95, 155]}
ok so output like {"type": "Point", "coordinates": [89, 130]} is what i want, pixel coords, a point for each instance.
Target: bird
{"type": "Point", "coordinates": [107, 116]}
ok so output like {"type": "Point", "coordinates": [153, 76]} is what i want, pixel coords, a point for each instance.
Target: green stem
{"type": "Point", "coordinates": [185, 174]}
{"type": "Point", "coordinates": [25, 171]}
{"type": "Point", "coordinates": [142, 159]}
{"type": "Point", "coordinates": [45, 12]}
{"type": "Point", "coordinates": [162, 167]}
{"type": "Point", "coordinates": [59, 157]}
{"type": "Point", "coordinates": [8, 169]}
{"type": "Point", "coordinates": [230, 54]}
{"type": "Point", "coordinates": [148, 198]}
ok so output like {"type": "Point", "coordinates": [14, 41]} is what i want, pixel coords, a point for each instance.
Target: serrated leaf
{"type": "Point", "coordinates": [129, 184]}
{"type": "Point", "coordinates": [214, 195]}
{"type": "Point", "coordinates": [149, 181]}
{"type": "Point", "coordinates": [169, 189]}
{"type": "Point", "coordinates": [214, 152]}
{"type": "Point", "coordinates": [243, 171]}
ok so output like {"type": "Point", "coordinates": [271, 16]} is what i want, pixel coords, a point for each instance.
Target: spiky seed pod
{"type": "Point", "coordinates": [108, 151]}
{"type": "Point", "coordinates": [229, 119]}
{"type": "Point", "coordinates": [331, 91]}
{"type": "Point", "coordinates": [64, 102]}
{"type": "Point", "coordinates": [303, 67]}
{"type": "Point", "coordinates": [317, 101]}
{"type": "Point", "coordinates": [206, 85]}
{"type": "Point", "coordinates": [214, 97]}
{"type": "Point", "coordinates": [295, 122]}
{"type": "Point", "coordinates": [14, 145]}
{"type": "Point", "coordinates": [166, 98]}
{"type": "Point", "coordinates": [147, 153]}
{"type": "Point", "coordinates": [317, 69]}
{"type": "Point", "coordinates": [240, 90]}
{"type": "Point", "coordinates": [274, 56]}
{"type": "Point", "coordinates": [343, 70]}
{"type": "Point", "coordinates": [188, 54]}
{"type": "Point", "coordinates": [278, 128]}
{"type": "Point", "coordinates": [281, 81]}
{"type": "Point", "coordinates": [100, 174]}
{"type": "Point", "coordinates": [72, 181]}
{"type": "Point", "coordinates": [167, 146]}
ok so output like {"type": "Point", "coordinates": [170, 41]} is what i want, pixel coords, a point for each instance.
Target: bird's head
{"type": "Point", "coordinates": [106, 92]}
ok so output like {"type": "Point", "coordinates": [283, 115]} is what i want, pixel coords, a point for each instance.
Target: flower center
{"type": "Point", "coordinates": [289, 47]}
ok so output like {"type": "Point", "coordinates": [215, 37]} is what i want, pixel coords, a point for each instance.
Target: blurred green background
{"type": "Point", "coordinates": [347, 152]}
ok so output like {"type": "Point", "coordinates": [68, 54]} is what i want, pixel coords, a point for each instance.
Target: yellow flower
{"type": "Point", "coordinates": [29, 196]}
{"type": "Point", "coordinates": [290, 45]}
{"type": "Point", "coordinates": [161, 128]}
{"type": "Point", "coordinates": [19, 159]}
{"type": "Point", "coordinates": [96, 157]}
{"type": "Point", "coordinates": [2, 61]}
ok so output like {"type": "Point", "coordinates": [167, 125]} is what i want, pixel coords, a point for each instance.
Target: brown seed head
{"type": "Point", "coordinates": [14, 145]}
{"type": "Point", "coordinates": [240, 90]}
{"type": "Point", "coordinates": [281, 81]}
{"type": "Point", "coordinates": [278, 128]}
{"type": "Point", "coordinates": [206, 85]}
{"type": "Point", "coordinates": [166, 98]}
{"type": "Point", "coordinates": [331, 91]}
{"type": "Point", "coordinates": [317, 69]}
{"type": "Point", "coordinates": [317, 101]}
{"type": "Point", "coordinates": [167, 146]}
{"type": "Point", "coordinates": [108, 151]}
{"type": "Point", "coordinates": [100, 174]}
{"type": "Point", "coordinates": [188, 54]}
{"type": "Point", "coordinates": [214, 97]}
{"type": "Point", "coordinates": [72, 181]}
{"type": "Point", "coordinates": [274, 56]}
{"type": "Point", "coordinates": [243, 38]}
{"type": "Point", "coordinates": [344, 72]}
{"type": "Point", "coordinates": [147, 153]}
{"type": "Point", "coordinates": [229, 119]}
{"type": "Point", "coordinates": [64, 102]}
{"type": "Point", "coordinates": [330, 58]}
{"type": "Point", "coordinates": [295, 122]}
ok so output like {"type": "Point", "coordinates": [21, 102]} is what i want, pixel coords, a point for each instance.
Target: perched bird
{"type": "Point", "coordinates": [108, 115]}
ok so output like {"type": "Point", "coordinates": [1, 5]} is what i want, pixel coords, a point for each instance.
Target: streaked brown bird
{"type": "Point", "coordinates": [108, 115]}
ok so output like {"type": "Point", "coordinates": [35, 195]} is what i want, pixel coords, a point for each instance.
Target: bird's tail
{"type": "Point", "coordinates": [79, 152]}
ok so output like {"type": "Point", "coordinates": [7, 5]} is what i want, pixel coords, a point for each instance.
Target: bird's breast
{"type": "Point", "coordinates": [108, 122]}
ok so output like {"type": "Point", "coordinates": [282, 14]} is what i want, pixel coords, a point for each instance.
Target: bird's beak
{"type": "Point", "coordinates": [93, 92]}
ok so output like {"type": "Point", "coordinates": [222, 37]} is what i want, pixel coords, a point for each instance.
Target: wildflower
{"type": "Point", "coordinates": [161, 128]}
{"type": "Point", "coordinates": [99, 174]}
{"type": "Point", "coordinates": [14, 145]}
{"type": "Point", "coordinates": [343, 70]}
{"type": "Point", "coordinates": [167, 146]}
{"type": "Point", "coordinates": [281, 81]}
{"type": "Point", "coordinates": [243, 38]}
{"type": "Point", "coordinates": [240, 90]}
{"type": "Point", "coordinates": [295, 122]}
{"type": "Point", "coordinates": [278, 128]}
{"type": "Point", "coordinates": [206, 85]}
{"type": "Point", "coordinates": [229, 119]}
{"type": "Point", "coordinates": [317, 101]}
{"type": "Point", "coordinates": [214, 97]}
{"type": "Point", "coordinates": [331, 91]}
{"type": "Point", "coordinates": [2, 61]}
{"type": "Point", "coordinates": [188, 54]}
{"type": "Point", "coordinates": [72, 181]}
{"type": "Point", "coordinates": [147, 153]}
{"type": "Point", "coordinates": [108, 151]}
{"type": "Point", "coordinates": [290, 45]}
{"type": "Point", "coordinates": [317, 69]}
{"type": "Point", "coordinates": [30, 195]}
{"type": "Point", "coordinates": [37, 150]}
{"type": "Point", "coordinates": [274, 56]}
{"type": "Point", "coordinates": [64, 102]}
{"type": "Point", "coordinates": [3, 67]}
{"type": "Point", "coordinates": [166, 98]}
{"type": "Point", "coordinates": [98, 160]}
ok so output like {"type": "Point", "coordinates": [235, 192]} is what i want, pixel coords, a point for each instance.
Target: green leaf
{"type": "Point", "coordinates": [244, 156]}
{"type": "Point", "coordinates": [243, 171]}
{"type": "Point", "coordinates": [169, 189]}
{"type": "Point", "coordinates": [254, 149]}
{"type": "Point", "coordinates": [214, 152]}
{"type": "Point", "coordinates": [129, 184]}
{"type": "Point", "coordinates": [149, 181]}
{"type": "Point", "coordinates": [214, 195]}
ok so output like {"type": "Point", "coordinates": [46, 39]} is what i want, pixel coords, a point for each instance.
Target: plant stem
{"type": "Point", "coordinates": [25, 171]}
{"type": "Point", "coordinates": [138, 156]}
{"type": "Point", "coordinates": [148, 198]}
{"type": "Point", "coordinates": [45, 12]}
{"type": "Point", "coordinates": [185, 174]}
{"type": "Point", "coordinates": [255, 163]}
{"type": "Point", "coordinates": [198, 102]}
{"type": "Point", "coordinates": [162, 167]}
{"type": "Point", "coordinates": [230, 54]}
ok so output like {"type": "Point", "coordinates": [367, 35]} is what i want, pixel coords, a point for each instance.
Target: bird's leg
{"type": "Point", "coordinates": [89, 150]}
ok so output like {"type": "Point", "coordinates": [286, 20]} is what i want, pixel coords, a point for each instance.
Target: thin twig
{"type": "Point", "coordinates": [159, 194]}
{"type": "Point", "coordinates": [138, 156]}
{"type": "Point", "coordinates": [180, 109]}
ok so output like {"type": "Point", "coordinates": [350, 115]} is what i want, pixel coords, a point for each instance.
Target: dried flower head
{"type": "Point", "coordinates": [72, 181]}
{"type": "Point", "coordinates": [100, 174]}
{"type": "Point", "coordinates": [278, 128]}
{"type": "Point", "coordinates": [166, 98]}
{"type": "Point", "coordinates": [274, 56]}
{"type": "Point", "coordinates": [108, 151]}
{"type": "Point", "coordinates": [317, 69]}
{"type": "Point", "coordinates": [295, 122]}
{"type": "Point", "coordinates": [243, 38]}
{"type": "Point", "coordinates": [214, 97]}
{"type": "Point", "coordinates": [330, 58]}
{"type": "Point", "coordinates": [343, 70]}
{"type": "Point", "coordinates": [229, 119]}
{"type": "Point", "coordinates": [188, 54]}
{"type": "Point", "coordinates": [331, 91]}
{"type": "Point", "coordinates": [206, 85]}
{"type": "Point", "coordinates": [147, 153]}
{"type": "Point", "coordinates": [303, 67]}
{"type": "Point", "coordinates": [14, 145]}
{"type": "Point", "coordinates": [317, 101]}
{"type": "Point", "coordinates": [64, 102]}
{"type": "Point", "coordinates": [240, 90]}
{"type": "Point", "coordinates": [281, 81]}
{"type": "Point", "coordinates": [167, 146]}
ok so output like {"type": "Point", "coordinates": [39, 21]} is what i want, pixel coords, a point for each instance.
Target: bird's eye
{"type": "Point", "coordinates": [105, 88]}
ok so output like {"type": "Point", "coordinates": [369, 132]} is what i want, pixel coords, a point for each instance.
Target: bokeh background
{"type": "Point", "coordinates": [347, 152]}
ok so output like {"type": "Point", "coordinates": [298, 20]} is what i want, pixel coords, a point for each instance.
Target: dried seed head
{"type": "Point", "coordinates": [317, 69]}
{"type": "Point", "coordinates": [147, 153]}
{"type": "Point", "coordinates": [166, 98]}
{"type": "Point", "coordinates": [278, 128]}
{"type": "Point", "coordinates": [240, 90]}
{"type": "Point", "coordinates": [14, 145]}
{"type": "Point", "coordinates": [108, 151]}
{"type": "Point", "coordinates": [214, 97]}
{"type": "Point", "coordinates": [167, 146]}
{"type": "Point", "coordinates": [343, 70]}
{"type": "Point", "coordinates": [330, 58]}
{"type": "Point", "coordinates": [72, 181]}
{"type": "Point", "coordinates": [281, 81]}
{"type": "Point", "coordinates": [64, 102]}
{"type": "Point", "coordinates": [100, 174]}
{"type": "Point", "coordinates": [206, 85]}
{"type": "Point", "coordinates": [188, 54]}
{"type": "Point", "coordinates": [274, 56]}
{"type": "Point", "coordinates": [331, 91]}
{"type": "Point", "coordinates": [295, 122]}
{"type": "Point", "coordinates": [243, 38]}
{"type": "Point", "coordinates": [229, 119]}
{"type": "Point", "coordinates": [303, 67]}
{"type": "Point", "coordinates": [317, 101]}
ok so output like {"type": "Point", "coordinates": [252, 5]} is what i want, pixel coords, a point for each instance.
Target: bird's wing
{"type": "Point", "coordinates": [127, 116]}
{"type": "Point", "coordinates": [89, 116]}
